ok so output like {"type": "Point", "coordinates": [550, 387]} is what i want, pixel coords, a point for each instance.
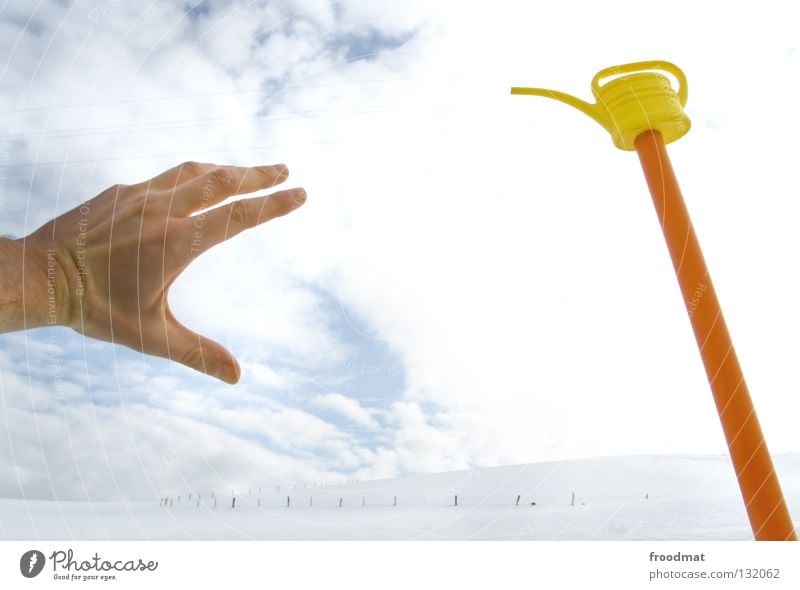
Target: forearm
{"type": "Point", "coordinates": [28, 289]}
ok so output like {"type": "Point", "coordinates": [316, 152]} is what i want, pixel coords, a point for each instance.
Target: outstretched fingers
{"type": "Point", "coordinates": [223, 223]}
{"type": "Point", "coordinates": [214, 186]}
{"type": "Point", "coordinates": [170, 179]}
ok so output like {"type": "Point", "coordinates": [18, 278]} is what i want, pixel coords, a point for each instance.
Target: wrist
{"type": "Point", "coordinates": [44, 290]}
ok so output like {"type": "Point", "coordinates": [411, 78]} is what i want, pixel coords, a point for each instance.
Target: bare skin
{"type": "Point", "coordinates": [105, 267]}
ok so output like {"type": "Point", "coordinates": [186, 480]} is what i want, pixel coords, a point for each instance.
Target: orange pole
{"type": "Point", "coordinates": [761, 490]}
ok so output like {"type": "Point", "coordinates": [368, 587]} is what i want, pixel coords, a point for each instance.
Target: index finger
{"type": "Point", "coordinates": [169, 179]}
{"type": "Point", "coordinates": [213, 187]}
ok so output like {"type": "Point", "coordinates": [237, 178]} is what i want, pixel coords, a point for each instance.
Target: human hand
{"type": "Point", "coordinates": [112, 259]}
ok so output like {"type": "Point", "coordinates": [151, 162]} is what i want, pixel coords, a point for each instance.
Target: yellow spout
{"type": "Point", "coordinates": [590, 109]}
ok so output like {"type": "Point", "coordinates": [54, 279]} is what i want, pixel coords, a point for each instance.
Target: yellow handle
{"type": "Point", "coordinates": [641, 66]}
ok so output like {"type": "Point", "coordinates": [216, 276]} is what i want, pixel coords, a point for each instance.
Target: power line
{"type": "Point", "coordinates": [190, 154]}
{"type": "Point", "coordinates": [193, 153]}
{"type": "Point", "coordinates": [212, 121]}
{"type": "Point", "coordinates": [222, 93]}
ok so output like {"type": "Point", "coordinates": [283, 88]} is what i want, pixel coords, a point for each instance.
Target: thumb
{"type": "Point", "coordinates": [202, 354]}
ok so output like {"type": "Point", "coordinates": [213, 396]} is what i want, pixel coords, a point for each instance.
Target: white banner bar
{"type": "Point", "coordinates": [400, 565]}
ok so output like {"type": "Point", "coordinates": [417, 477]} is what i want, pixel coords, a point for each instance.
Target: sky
{"type": "Point", "coordinates": [477, 279]}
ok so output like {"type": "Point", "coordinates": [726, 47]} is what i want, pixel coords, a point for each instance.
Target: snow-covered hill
{"type": "Point", "coordinates": [640, 497]}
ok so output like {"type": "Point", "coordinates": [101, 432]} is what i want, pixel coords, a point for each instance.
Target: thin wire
{"type": "Point", "coordinates": [189, 153]}
{"type": "Point", "coordinates": [212, 121]}
{"type": "Point", "coordinates": [195, 152]}
{"type": "Point", "coordinates": [222, 93]}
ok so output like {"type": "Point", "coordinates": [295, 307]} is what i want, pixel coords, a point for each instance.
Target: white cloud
{"type": "Point", "coordinates": [347, 407]}
{"type": "Point", "coordinates": [112, 445]}
{"type": "Point", "coordinates": [268, 377]}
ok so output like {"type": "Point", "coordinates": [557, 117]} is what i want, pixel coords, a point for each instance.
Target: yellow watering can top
{"type": "Point", "coordinates": [629, 105]}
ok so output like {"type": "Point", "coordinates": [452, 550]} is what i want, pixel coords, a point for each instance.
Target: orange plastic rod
{"type": "Point", "coordinates": [761, 490]}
